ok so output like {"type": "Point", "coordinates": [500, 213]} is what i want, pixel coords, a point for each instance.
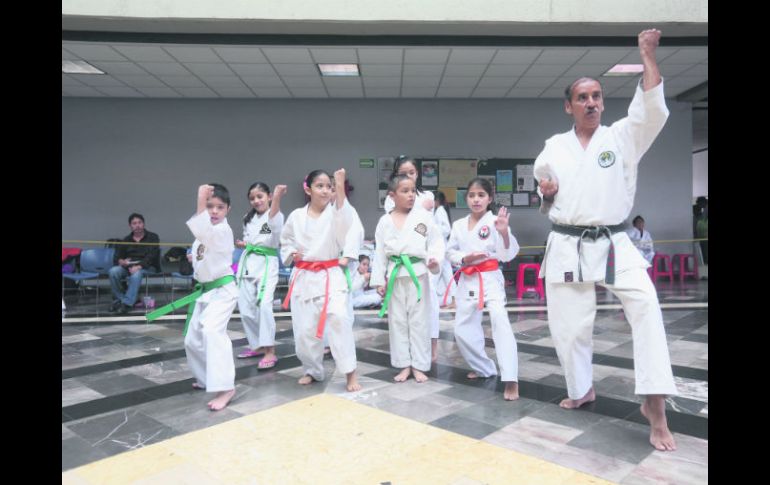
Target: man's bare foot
{"type": "Point", "coordinates": [419, 376]}
{"type": "Point", "coordinates": [221, 400]}
{"type": "Point", "coordinates": [306, 379]}
{"type": "Point", "coordinates": [654, 409]}
{"type": "Point", "coordinates": [433, 349]}
{"type": "Point", "coordinates": [353, 384]}
{"type": "Point", "coordinates": [472, 375]}
{"type": "Point", "coordinates": [511, 392]}
{"type": "Point", "coordinates": [198, 387]}
{"type": "Point", "coordinates": [403, 375]}
{"type": "Point", "coordinates": [576, 403]}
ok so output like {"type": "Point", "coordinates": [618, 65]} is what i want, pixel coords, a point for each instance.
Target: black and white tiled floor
{"type": "Point", "coordinates": [125, 384]}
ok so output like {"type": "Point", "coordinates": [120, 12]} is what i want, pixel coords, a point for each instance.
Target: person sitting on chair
{"type": "Point", "coordinates": [641, 239]}
{"type": "Point", "coordinates": [133, 261]}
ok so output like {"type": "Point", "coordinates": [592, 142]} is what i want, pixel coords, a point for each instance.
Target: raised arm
{"type": "Point", "coordinates": [648, 44]}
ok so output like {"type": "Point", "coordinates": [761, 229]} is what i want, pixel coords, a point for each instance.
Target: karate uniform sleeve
{"type": "Point", "coordinates": [436, 246]}
{"type": "Point", "coordinates": [542, 171]}
{"type": "Point", "coordinates": [453, 246]}
{"type": "Point", "coordinates": [213, 236]}
{"type": "Point", "coordinates": [276, 223]}
{"type": "Point", "coordinates": [442, 221]}
{"type": "Point", "coordinates": [288, 241]}
{"type": "Point", "coordinates": [353, 239]}
{"type": "Point", "coordinates": [380, 261]}
{"type": "Point", "coordinates": [506, 254]}
{"type": "Point", "coordinates": [344, 218]}
{"type": "Point", "coordinates": [647, 114]}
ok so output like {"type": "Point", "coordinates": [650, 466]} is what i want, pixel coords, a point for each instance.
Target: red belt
{"type": "Point", "coordinates": [487, 265]}
{"type": "Point", "coordinates": [314, 266]}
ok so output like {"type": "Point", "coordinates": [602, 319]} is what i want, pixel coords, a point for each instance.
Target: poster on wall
{"type": "Point", "coordinates": [521, 200]}
{"type": "Point", "coordinates": [461, 202]}
{"type": "Point", "coordinates": [505, 181]}
{"type": "Point", "coordinates": [456, 173]}
{"type": "Point", "coordinates": [429, 173]}
{"type": "Point", "coordinates": [503, 199]}
{"type": "Point", "coordinates": [450, 193]}
{"type": "Point", "coordinates": [525, 178]}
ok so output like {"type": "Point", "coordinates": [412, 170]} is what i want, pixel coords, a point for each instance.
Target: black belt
{"type": "Point", "coordinates": [594, 233]}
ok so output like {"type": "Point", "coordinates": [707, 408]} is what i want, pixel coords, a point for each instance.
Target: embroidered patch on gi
{"type": "Point", "coordinates": [484, 232]}
{"type": "Point", "coordinates": [199, 253]}
{"type": "Point", "coordinates": [421, 229]}
{"type": "Point", "coordinates": [265, 229]}
{"type": "Point", "coordinates": [471, 293]}
{"type": "Point", "coordinates": [568, 277]}
{"type": "Point", "coordinates": [606, 159]}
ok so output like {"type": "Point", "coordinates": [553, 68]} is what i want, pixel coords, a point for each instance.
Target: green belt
{"type": "Point", "coordinates": [346, 270]}
{"type": "Point", "coordinates": [200, 289]}
{"type": "Point", "coordinates": [406, 261]}
{"type": "Point", "coordinates": [261, 250]}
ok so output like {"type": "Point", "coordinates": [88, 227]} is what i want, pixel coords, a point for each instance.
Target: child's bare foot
{"type": "Point", "coordinates": [198, 387]}
{"type": "Point", "coordinates": [403, 375]}
{"type": "Point", "coordinates": [419, 376]}
{"type": "Point", "coordinates": [576, 403]}
{"type": "Point", "coordinates": [353, 384]}
{"type": "Point", "coordinates": [306, 379]}
{"type": "Point", "coordinates": [511, 392]}
{"type": "Point", "coordinates": [472, 375]}
{"type": "Point", "coordinates": [433, 349]}
{"type": "Point", "coordinates": [654, 409]}
{"type": "Point", "coordinates": [220, 402]}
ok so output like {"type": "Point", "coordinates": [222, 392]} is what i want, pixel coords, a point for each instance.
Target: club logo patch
{"type": "Point", "coordinates": [568, 277]}
{"type": "Point", "coordinates": [421, 229]}
{"type": "Point", "coordinates": [606, 159]}
{"type": "Point", "coordinates": [265, 229]}
{"type": "Point", "coordinates": [199, 253]}
{"type": "Point", "coordinates": [484, 232]}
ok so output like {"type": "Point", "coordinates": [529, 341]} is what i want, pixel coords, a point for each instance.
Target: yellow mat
{"type": "Point", "coordinates": [323, 439]}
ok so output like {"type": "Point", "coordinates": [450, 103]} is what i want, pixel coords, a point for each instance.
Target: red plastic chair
{"type": "Point", "coordinates": [683, 258]}
{"type": "Point", "coordinates": [521, 288]}
{"type": "Point", "coordinates": [668, 272]}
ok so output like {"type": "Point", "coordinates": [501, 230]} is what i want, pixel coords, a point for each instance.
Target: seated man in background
{"type": "Point", "coordinates": [132, 262]}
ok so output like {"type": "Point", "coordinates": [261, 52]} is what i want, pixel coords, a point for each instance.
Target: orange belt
{"type": "Point", "coordinates": [487, 265]}
{"type": "Point", "coordinates": [314, 266]}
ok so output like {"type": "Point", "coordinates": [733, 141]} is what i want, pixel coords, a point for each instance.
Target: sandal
{"type": "Point", "coordinates": [267, 364]}
{"type": "Point", "coordinates": [248, 353]}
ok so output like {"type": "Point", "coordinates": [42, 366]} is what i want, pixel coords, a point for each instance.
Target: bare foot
{"type": "Point", "coordinates": [353, 384]}
{"type": "Point", "coordinates": [433, 349]}
{"type": "Point", "coordinates": [198, 387]}
{"type": "Point", "coordinates": [654, 409]}
{"type": "Point", "coordinates": [511, 392]}
{"type": "Point", "coordinates": [220, 402]}
{"type": "Point", "coordinates": [576, 403]}
{"type": "Point", "coordinates": [403, 375]}
{"type": "Point", "coordinates": [419, 376]}
{"type": "Point", "coordinates": [472, 375]}
{"type": "Point", "coordinates": [306, 379]}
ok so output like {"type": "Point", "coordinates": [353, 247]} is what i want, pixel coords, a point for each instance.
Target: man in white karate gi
{"type": "Point", "coordinates": [587, 177]}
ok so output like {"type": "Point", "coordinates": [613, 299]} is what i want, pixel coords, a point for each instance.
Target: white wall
{"type": "Point", "coordinates": [700, 174]}
{"type": "Point", "coordinates": [149, 156]}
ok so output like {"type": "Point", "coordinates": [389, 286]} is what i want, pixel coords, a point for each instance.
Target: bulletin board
{"type": "Point", "coordinates": [512, 179]}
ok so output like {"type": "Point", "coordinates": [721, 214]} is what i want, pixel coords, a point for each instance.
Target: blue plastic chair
{"type": "Point", "coordinates": [93, 263]}
{"type": "Point", "coordinates": [176, 274]}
